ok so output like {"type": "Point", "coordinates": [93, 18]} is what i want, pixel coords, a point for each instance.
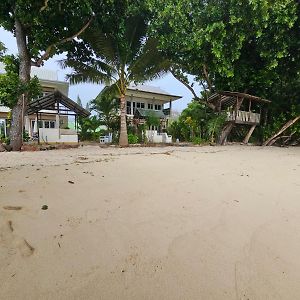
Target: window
{"type": "Point", "coordinates": [44, 124]}
{"type": "Point", "coordinates": [150, 105]}
{"type": "Point", "coordinates": [128, 107]}
{"type": "Point", "coordinates": [140, 105]}
{"type": "Point", "coordinates": [157, 107]}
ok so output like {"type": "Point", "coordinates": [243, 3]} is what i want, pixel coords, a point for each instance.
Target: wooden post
{"type": "Point", "coordinates": [236, 107]}
{"type": "Point", "coordinates": [37, 127]}
{"type": "Point", "coordinates": [247, 137]}
{"type": "Point", "coordinates": [225, 132]}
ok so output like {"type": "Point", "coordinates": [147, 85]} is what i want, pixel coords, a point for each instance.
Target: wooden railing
{"type": "Point", "coordinates": [243, 117]}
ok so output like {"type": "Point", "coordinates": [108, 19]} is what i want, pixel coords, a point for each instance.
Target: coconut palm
{"type": "Point", "coordinates": [106, 105]}
{"type": "Point", "coordinates": [117, 59]}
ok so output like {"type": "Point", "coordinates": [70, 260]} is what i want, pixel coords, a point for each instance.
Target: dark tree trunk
{"type": "Point", "coordinates": [123, 140]}
{"type": "Point", "coordinates": [17, 115]}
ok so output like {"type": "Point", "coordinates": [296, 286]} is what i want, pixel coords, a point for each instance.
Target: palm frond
{"type": "Point", "coordinates": [104, 45]}
{"type": "Point", "coordinates": [149, 64]}
{"type": "Point", "coordinates": [96, 72]}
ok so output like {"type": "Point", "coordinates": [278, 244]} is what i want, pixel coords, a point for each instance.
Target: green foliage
{"type": "Point", "coordinates": [277, 122]}
{"type": "Point", "coordinates": [11, 87]}
{"type": "Point", "coordinates": [133, 138]}
{"type": "Point", "coordinates": [236, 44]}
{"type": "Point", "coordinates": [2, 49]}
{"type": "Point", "coordinates": [89, 128]}
{"type": "Point", "coordinates": [106, 105]}
{"type": "Point", "coordinates": [197, 140]}
{"type": "Point", "coordinates": [214, 126]}
{"type": "Point", "coordinates": [41, 19]}
{"type": "Point", "coordinates": [197, 123]}
{"type": "Point", "coordinates": [26, 136]}
{"type": "Point", "coordinates": [152, 120]}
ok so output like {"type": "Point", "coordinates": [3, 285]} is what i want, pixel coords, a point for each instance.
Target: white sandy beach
{"type": "Point", "coordinates": [150, 223]}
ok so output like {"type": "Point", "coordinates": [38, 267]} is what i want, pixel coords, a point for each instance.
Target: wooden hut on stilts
{"type": "Point", "coordinates": [241, 109]}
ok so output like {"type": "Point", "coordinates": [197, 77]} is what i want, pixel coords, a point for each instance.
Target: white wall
{"type": "Point", "coordinates": [55, 135]}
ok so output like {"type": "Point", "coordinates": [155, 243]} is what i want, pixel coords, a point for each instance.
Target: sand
{"type": "Point", "coordinates": [150, 223]}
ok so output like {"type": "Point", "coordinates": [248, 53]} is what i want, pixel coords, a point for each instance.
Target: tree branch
{"type": "Point", "coordinates": [192, 91]}
{"type": "Point", "coordinates": [47, 53]}
{"type": "Point", "coordinates": [205, 73]}
{"type": "Point", "coordinates": [185, 84]}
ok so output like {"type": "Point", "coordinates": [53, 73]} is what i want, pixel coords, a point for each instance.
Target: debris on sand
{"type": "Point", "coordinates": [70, 181]}
{"type": "Point", "coordinates": [10, 225]}
{"type": "Point", "coordinates": [31, 249]}
{"type": "Point", "coordinates": [12, 207]}
{"type": "Point", "coordinates": [44, 207]}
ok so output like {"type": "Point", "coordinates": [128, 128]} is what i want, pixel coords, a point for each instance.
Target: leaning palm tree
{"type": "Point", "coordinates": [117, 59]}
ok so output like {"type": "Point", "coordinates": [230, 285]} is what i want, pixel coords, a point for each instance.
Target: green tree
{"type": "Point", "coordinates": [119, 56]}
{"type": "Point", "coordinates": [106, 104]}
{"type": "Point", "coordinates": [11, 87]}
{"type": "Point", "coordinates": [88, 127]}
{"type": "Point", "coordinates": [2, 49]}
{"type": "Point", "coordinates": [42, 28]}
{"type": "Point", "coordinates": [199, 122]}
{"type": "Point", "coordinates": [79, 102]}
{"type": "Point", "coordinates": [236, 45]}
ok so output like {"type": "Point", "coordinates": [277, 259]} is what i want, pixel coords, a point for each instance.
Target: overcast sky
{"type": "Point", "coordinates": [88, 91]}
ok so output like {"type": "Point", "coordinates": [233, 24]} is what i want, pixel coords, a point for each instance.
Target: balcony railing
{"type": "Point", "coordinates": [243, 117]}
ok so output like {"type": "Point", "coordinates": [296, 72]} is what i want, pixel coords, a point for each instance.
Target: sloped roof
{"type": "Point", "coordinates": [48, 102]}
{"type": "Point", "coordinates": [143, 112]}
{"type": "Point", "coordinates": [151, 89]}
{"type": "Point", "coordinates": [228, 98]}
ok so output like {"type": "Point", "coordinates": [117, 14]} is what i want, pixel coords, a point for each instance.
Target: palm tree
{"type": "Point", "coordinates": [117, 59]}
{"type": "Point", "coordinates": [106, 105]}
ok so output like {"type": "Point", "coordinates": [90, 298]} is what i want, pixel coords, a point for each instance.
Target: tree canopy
{"type": "Point", "coordinates": [236, 45]}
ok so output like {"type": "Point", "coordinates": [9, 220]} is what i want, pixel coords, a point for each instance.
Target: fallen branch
{"type": "Point", "coordinates": [270, 142]}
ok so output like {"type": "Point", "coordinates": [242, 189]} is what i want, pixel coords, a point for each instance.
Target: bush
{"type": "Point", "coordinates": [133, 138]}
{"type": "Point", "coordinates": [197, 140]}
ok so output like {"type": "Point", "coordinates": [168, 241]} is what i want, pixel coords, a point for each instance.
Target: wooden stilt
{"type": "Point", "coordinates": [225, 132]}
{"type": "Point", "coordinates": [247, 137]}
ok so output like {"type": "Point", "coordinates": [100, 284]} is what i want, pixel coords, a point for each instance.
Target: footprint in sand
{"type": "Point", "coordinates": [11, 243]}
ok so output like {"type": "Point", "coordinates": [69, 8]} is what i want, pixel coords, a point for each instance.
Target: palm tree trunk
{"type": "Point", "coordinates": [123, 140]}
{"type": "Point", "coordinates": [17, 114]}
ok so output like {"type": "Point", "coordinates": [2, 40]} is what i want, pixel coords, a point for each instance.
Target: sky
{"type": "Point", "coordinates": [89, 91]}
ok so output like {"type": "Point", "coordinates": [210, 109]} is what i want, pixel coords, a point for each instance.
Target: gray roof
{"type": "Point", "coordinates": [150, 89]}
{"type": "Point", "coordinates": [142, 112]}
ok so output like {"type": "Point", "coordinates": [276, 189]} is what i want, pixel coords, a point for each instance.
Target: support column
{"type": "Point", "coordinates": [225, 132]}
{"type": "Point", "coordinates": [37, 127]}
{"type": "Point", "coordinates": [247, 137]}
